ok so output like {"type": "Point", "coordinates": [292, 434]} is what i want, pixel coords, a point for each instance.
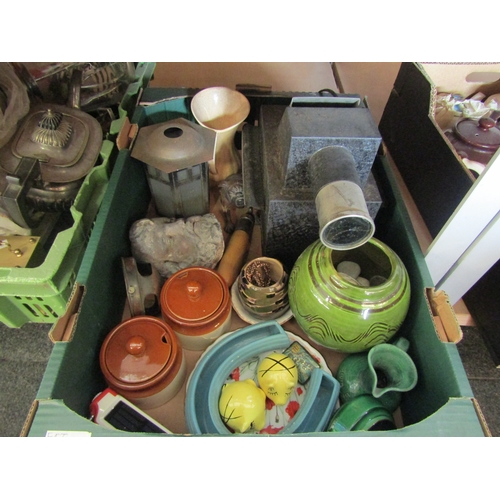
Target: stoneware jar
{"type": "Point", "coordinates": [196, 303]}
{"type": "Point", "coordinates": [142, 360]}
{"type": "Point", "coordinates": [337, 312]}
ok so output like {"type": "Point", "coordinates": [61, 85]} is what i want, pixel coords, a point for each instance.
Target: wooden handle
{"type": "Point", "coordinates": [237, 249]}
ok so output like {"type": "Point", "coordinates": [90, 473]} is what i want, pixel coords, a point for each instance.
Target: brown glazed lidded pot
{"type": "Point", "coordinates": [476, 140]}
{"type": "Point", "coordinates": [196, 303]}
{"type": "Point", "coordinates": [142, 360]}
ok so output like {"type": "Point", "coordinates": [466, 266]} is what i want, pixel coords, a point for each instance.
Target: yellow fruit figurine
{"type": "Point", "coordinates": [242, 405]}
{"type": "Point", "coordinates": [277, 375]}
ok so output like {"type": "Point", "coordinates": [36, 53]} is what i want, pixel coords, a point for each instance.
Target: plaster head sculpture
{"type": "Point", "coordinates": [242, 406]}
{"type": "Point", "coordinates": [277, 375]}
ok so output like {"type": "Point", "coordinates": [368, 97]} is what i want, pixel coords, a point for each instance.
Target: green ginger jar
{"type": "Point", "coordinates": [337, 312]}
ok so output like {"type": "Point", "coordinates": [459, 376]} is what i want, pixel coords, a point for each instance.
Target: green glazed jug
{"type": "Point", "coordinates": [363, 413]}
{"type": "Point", "coordinates": [385, 372]}
{"type": "Point", "coordinates": [339, 313]}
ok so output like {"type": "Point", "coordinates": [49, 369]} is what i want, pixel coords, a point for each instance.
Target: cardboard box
{"type": "Point", "coordinates": [435, 175]}
{"type": "Point", "coordinates": [456, 215]}
{"type": "Point", "coordinates": [442, 403]}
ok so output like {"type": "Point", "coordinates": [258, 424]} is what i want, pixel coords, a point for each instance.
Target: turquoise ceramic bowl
{"type": "Point", "coordinates": [339, 314]}
{"type": "Point", "coordinates": [227, 354]}
{"type": "Point", "coordinates": [235, 346]}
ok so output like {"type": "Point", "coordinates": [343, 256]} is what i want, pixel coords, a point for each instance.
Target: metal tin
{"type": "Point", "coordinates": [142, 360]}
{"type": "Point", "coordinates": [196, 303]}
{"type": "Point", "coordinates": [66, 140]}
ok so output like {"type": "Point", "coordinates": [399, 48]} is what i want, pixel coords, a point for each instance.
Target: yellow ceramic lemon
{"type": "Point", "coordinates": [277, 375]}
{"type": "Point", "coordinates": [242, 405]}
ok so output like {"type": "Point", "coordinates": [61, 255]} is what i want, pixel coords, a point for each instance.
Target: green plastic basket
{"type": "Point", "coordinates": [143, 74]}
{"type": "Point", "coordinates": [39, 294]}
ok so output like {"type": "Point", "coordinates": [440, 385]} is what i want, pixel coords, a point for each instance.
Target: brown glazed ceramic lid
{"type": "Point", "coordinates": [195, 297]}
{"type": "Point", "coordinates": [481, 134]}
{"type": "Point", "coordinates": [139, 353]}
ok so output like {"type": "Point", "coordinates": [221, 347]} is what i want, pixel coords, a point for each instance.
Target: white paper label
{"type": "Point", "coordinates": [64, 434]}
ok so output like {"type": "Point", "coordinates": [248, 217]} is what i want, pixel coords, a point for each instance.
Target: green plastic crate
{"type": "Point", "coordinates": [40, 294]}
{"type": "Point", "coordinates": [143, 74]}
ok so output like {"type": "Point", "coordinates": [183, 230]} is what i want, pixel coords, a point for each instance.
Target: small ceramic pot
{"type": "Point", "coordinates": [337, 313]}
{"type": "Point", "coordinates": [364, 413]}
{"type": "Point", "coordinates": [263, 288]}
{"type": "Point", "coordinates": [142, 360]}
{"type": "Point", "coordinates": [196, 303]}
{"type": "Point", "coordinates": [476, 140]}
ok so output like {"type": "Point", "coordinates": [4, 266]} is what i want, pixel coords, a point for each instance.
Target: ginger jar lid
{"type": "Point", "coordinates": [195, 295]}
{"type": "Point", "coordinates": [138, 352]}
